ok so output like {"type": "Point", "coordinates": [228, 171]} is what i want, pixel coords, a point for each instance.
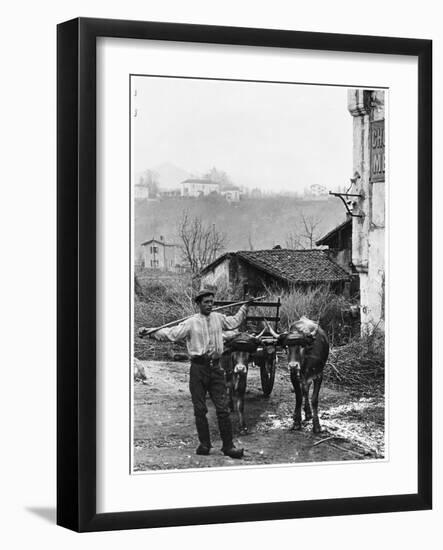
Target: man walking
{"type": "Point", "coordinates": [203, 333]}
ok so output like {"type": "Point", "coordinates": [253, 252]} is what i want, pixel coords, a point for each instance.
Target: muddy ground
{"type": "Point", "coordinates": [165, 436]}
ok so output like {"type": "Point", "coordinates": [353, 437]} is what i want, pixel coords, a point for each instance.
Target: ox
{"type": "Point", "coordinates": [235, 361]}
{"type": "Point", "coordinates": [308, 349]}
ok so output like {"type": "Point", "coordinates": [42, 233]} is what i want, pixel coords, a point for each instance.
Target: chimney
{"type": "Point", "coordinates": [162, 238]}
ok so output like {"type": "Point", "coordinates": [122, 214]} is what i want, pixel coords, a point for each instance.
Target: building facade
{"type": "Point", "coordinates": [276, 268]}
{"type": "Point", "coordinates": [231, 194]}
{"type": "Point", "coordinates": [141, 191]}
{"type": "Point", "coordinates": [367, 108]}
{"type": "Point", "coordinates": [339, 243]}
{"type": "Point", "coordinates": [198, 187]}
{"type": "Point", "coordinates": [157, 254]}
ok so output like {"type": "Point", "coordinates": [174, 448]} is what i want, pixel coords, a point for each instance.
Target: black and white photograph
{"type": "Point", "coordinates": [221, 274]}
{"type": "Point", "coordinates": [258, 267]}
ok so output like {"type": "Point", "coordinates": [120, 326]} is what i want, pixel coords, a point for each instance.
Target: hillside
{"type": "Point", "coordinates": [263, 223]}
{"type": "Point", "coordinates": [169, 175]}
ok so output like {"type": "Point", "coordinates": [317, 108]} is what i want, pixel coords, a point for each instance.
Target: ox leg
{"type": "Point", "coordinates": [298, 402]}
{"type": "Point", "coordinates": [316, 428]}
{"type": "Point", "coordinates": [239, 398]}
{"type": "Point", "coordinates": [307, 405]}
{"type": "Point", "coordinates": [230, 392]}
{"type": "Point", "coordinates": [240, 407]}
{"type": "Point", "coordinates": [226, 364]}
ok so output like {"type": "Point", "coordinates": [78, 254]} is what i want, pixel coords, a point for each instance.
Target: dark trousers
{"type": "Point", "coordinates": [207, 377]}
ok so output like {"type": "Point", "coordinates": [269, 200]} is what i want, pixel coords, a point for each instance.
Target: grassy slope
{"type": "Point", "coordinates": [266, 221]}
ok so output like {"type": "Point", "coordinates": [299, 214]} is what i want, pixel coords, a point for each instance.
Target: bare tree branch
{"type": "Point", "coordinates": [201, 243]}
{"type": "Point", "coordinates": [305, 233]}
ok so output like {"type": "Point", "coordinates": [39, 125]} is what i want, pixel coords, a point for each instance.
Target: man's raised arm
{"type": "Point", "coordinates": [233, 321]}
{"type": "Point", "coordinates": [172, 334]}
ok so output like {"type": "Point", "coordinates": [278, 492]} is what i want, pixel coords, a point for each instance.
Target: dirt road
{"type": "Point", "coordinates": [165, 436]}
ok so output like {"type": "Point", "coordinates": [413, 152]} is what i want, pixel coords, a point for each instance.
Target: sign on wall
{"type": "Point", "coordinates": [377, 146]}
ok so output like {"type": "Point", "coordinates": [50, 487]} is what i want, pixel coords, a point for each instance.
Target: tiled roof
{"type": "Point", "coordinates": [201, 181]}
{"type": "Point", "coordinates": [230, 187]}
{"type": "Point", "coordinates": [158, 242]}
{"type": "Point", "coordinates": [292, 266]}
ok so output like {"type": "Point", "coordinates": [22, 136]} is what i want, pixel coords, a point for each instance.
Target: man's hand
{"type": "Point", "coordinates": [143, 331]}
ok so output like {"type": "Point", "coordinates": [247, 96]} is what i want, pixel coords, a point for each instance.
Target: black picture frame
{"type": "Point", "coordinates": [77, 248]}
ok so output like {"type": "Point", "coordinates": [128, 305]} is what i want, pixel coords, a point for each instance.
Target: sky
{"type": "Point", "coordinates": [278, 137]}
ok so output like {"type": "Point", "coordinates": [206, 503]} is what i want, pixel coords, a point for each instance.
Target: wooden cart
{"type": "Point", "coordinates": [266, 355]}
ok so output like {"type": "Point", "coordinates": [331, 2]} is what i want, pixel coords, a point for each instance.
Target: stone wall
{"type": "Point", "coordinates": [368, 231]}
{"type": "Point", "coordinates": [219, 276]}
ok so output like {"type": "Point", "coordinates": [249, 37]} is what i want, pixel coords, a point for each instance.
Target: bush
{"type": "Point", "coordinates": [337, 315]}
{"type": "Point", "coordinates": [360, 363]}
{"type": "Point", "coordinates": [165, 300]}
{"type": "Point", "coordinates": [168, 298]}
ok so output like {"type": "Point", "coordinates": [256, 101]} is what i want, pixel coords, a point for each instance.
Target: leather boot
{"type": "Point", "coordinates": [225, 426]}
{"type": "Point", "coordinates": [202, 425]}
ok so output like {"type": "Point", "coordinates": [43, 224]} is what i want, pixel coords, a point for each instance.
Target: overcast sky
{"type": "Point", "coordinates": [272, 136]}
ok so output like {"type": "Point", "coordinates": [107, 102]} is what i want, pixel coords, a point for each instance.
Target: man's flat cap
{"type": "Point", "coordinates": [205, 291]}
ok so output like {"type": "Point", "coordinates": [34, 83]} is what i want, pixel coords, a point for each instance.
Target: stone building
{"type": "Point", "coordinates": [231, 193]}
{"type": "Point", "coordinates": [157, 254]}
{"type": "Point", "coordinates": [193, 187]}
{"type": "Point", "coordinates": [339, 243]}
{"type": "Point", "coordinates": [367, 108]}
{"type": "Point", "coordinates": [141, 191]}
{"type": "Point", "coordinates": [275, 268]}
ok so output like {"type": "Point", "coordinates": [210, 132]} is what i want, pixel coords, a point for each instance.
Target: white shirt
{"type": "Point", "coordinates": [203, 333]}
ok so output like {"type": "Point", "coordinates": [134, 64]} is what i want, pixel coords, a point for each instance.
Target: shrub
{"type": "Point", "coordinates": [360, 363]}
{"type": "Point", "coordinates": [335, 313]}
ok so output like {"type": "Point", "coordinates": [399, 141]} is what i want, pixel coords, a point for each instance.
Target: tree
{"type": "Point", "coordinates": [310, 229]}
{"type": "Point", "coordinates": [218, 176]}
{"type": "Point", "coordinates": [293, 241]}
{"type": "Point", "coordinates": [201, 243]}
{"type": "Point", "coordinates": [305, 234]}
{"type": "Point", "coordinates": [149, 178]}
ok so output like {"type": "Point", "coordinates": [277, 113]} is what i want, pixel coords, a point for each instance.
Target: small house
{"type": "Point", "coordinates": [157, 254]}
{"type": "Point", "coordinates": [339, 243]}
{"type": "Point", "coordinates": [278, 267]}
{"type": "Point", "coordinates": [231, 193]}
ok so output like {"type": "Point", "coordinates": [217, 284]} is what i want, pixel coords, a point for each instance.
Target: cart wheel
{"type": "Point", "coordinates": [267, 375]}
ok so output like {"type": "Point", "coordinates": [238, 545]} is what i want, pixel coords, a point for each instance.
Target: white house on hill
{"type": "Point", "coordinates": [194, 187]}
{"type": "Point", "coordinates": [231, 193]}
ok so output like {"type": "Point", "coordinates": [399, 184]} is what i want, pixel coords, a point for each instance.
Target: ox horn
{"type": "Point", "coordinates": [263, 331]}
{"type": "Point", "coordinates": [271, 330]}
{"type": "Point", "coordinates": [314, 334]}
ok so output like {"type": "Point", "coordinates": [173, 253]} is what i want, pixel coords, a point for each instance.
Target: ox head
{"type": "Point", "coordinates": [296, 341]}
{"type": "Point", "coordinates": [241, 347]}
{"type": "Point", "coordinates": [240, 360]}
